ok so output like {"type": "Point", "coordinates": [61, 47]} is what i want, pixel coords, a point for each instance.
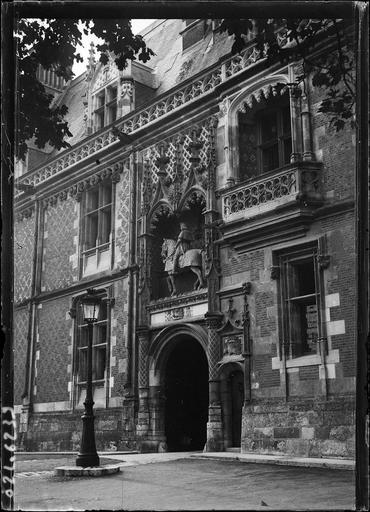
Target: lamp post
{"type": "Point", "coordinates": [88, 456]}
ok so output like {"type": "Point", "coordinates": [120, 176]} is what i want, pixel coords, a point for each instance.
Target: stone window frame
{"type": "Point", "coordinates": [103, 251]}
{"type": "Point", "coordinates": [100, 385]}
{"type": "Point", "coordinates": [104, 103]}
{"type": "Point", "coordinates": [299, 112]}
{"type": "Point", "coordinates": [285, 260]}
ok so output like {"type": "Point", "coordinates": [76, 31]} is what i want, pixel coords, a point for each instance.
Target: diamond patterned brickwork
{"type": "Point", "coordinates": [54, 326]}
{"type": "Point", "coordinates": [178, 151]}
{"type": "Point", "coordinates": [143, 359]}
{"type": "Point", "coordinates": [123, 219]}
{"type": "Point", "coordinates": [119, 360]}
{"type": "Point", "coordinates": [214, 347]}
{"type": "Point", "coordinates": [59, 245]}
{"type": "Point", "coordinates": [20, 323]}
{"type": "Point", "coordinates": [24, 233]}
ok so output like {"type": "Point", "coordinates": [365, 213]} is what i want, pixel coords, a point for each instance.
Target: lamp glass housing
{"type": "Point", "coordinates": [90, 308]}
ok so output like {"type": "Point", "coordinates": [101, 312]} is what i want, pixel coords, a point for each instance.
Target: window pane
{"type": "Point", "coordinates": [112, 93]}
{"type": "Point", "coordinates": [269, 127]}
{"type": "Point", "coordinates": [99, 120]}
{"type": "Point", "coordinates": [101, 334]}
{"type": "Point", "coordinates": [306, 278]}
{"type": "Point", "coordinates": [91, 230]}
{"type": "Point", "coordinates": [92, 200]}
{"type": "Point", "coordinates": [105, 225]}
{"type": "Point", "coordinates": [100, 100]}
{"type": "Point", "coordinates": [82, 365]}
{"type": "Point", "coordinates": [286, 120]}
{"type": "Point", "coordinates": [83, 336]}
{"type": "Point", "coordinates": [312, 332]}
{"type": "Point", "coordinates": [98, 363]}
{"type": "Point", "coordinates": [106, 195]}
{"type": "Point", "coordinates": [287, 150]}
{"type": "Point", "coordinates": [103, 310]}
{"type": "Point", "coordinates": [112, 113]}
{"type": "Point", "coordinates": [270, 158]}
{"type": "Point", "coordinates": [247, 148]}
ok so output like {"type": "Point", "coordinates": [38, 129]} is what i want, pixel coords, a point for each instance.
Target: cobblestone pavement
{"type": "Point", "coordinates": [144, 483]}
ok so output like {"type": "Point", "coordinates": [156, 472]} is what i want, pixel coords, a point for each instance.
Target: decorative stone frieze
{"type": "Point", "coordinates": [26, 213]}
{"type": "Point", "coordinates": [134, 122]}
{"type": "Point", "coordinates": [262, 94]}
{"type": "Point", "coordinates": [77, 189]}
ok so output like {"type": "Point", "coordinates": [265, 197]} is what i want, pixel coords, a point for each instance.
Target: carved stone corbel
{"type": "Point", "coordinates": [274, 271]}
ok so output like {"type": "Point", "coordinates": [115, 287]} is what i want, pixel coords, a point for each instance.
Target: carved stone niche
{"type": "Point", "coordinates": [177, 250]}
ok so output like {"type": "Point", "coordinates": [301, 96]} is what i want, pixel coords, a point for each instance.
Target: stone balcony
{"type": "Point", "coordinates": [280, 201]}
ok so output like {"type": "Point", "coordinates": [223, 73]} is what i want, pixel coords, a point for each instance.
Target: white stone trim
{"type": "Point", "coordinates": [332, 300]}
{"type": "Point", "coordinates": [52, 406]}
{"type": "Point", "coordinates": [115, 401]}
{"type": "Point", "coordinates": [336, 327]}
{"type": "Point", "coordinates": [311, 360]}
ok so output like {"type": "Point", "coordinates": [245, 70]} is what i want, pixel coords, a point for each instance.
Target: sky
{"type": "Point", "coordinates": [79, 67]}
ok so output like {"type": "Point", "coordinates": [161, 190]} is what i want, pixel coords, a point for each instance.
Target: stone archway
{"type": "Point", "coordinates": [179, 375]}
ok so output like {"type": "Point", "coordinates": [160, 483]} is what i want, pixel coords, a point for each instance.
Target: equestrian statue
{"type": "Point", "coordinates": [178, 255]}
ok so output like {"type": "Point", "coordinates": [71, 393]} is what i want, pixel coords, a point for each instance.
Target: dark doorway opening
{"type": "Point", "coordinates": [186, 391]}
{"type": "Point", "coordinates": [236, 384]}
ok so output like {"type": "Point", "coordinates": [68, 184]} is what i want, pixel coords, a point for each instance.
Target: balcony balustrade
{"type": "Point", "coordinates": [298, 182]}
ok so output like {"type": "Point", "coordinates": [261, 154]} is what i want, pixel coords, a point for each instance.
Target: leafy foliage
{"type": "Point", "coordinates": [52, 44]}
{"type": "Point", "coordinates": [332, 70]}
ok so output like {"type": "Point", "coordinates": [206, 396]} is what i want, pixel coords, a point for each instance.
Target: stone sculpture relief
{"type": "Point", "coordinates": [178, 255]}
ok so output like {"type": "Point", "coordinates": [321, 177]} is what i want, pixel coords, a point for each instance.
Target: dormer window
{"type": "Point", "coordinates": [193, 32]}
{"type": "Point", "coordinates": [105, 111]}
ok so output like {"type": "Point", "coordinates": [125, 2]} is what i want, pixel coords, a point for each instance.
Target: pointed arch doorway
{"type": "Point", "coordinates": [186, 395]}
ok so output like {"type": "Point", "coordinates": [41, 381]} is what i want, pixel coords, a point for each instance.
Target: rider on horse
{"type": "Point", "coordinates": [183, 244]}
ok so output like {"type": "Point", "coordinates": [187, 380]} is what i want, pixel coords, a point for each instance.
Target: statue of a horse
{"type": "Point", "coordinates": [192, 259]}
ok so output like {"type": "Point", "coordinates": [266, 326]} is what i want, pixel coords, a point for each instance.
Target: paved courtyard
{"type": "Point", "coordinates": [167, 482]}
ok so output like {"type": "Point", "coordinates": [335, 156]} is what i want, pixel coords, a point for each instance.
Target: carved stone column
{"type": "Point", "coordinates": [247, 349]}
{"type": "Point", "coordinates": [126, 98]}
{"type": "Point", "coordinates": [227, 129]}
{"type": "Point", "coordinates": [215, 438]}
{"type": "Point", "coordinates": [295, 94]}
{"type": "Point", "coordinates": [143, 419]}
{"type": "Point", "coordinates": [308, 155]}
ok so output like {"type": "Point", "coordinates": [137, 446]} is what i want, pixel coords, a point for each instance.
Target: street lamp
{"type": "Point", "coordinates": [88, 456]}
